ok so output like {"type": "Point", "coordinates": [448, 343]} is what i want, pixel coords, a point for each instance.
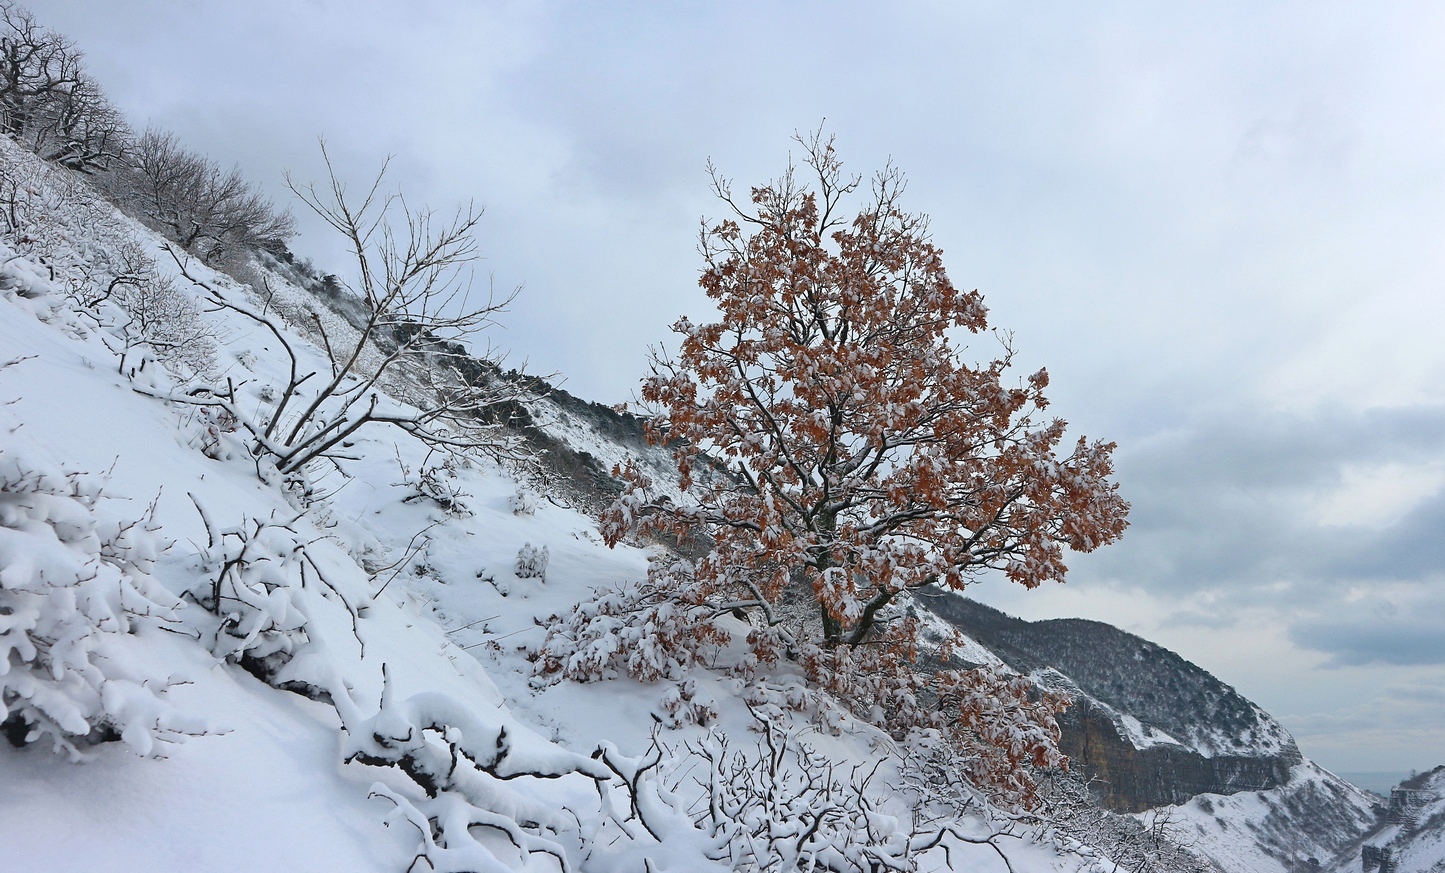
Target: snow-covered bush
{"type": "Point", "coordinates": [781, 805]}
{"type": "Point", "coordinates": [1002, 724]}
{"type": "Point", "coordinates": [438, 482]}
{"type": "Point", "coordinates": [463, 760]}
{"type": "Point", "coordinates": [1151, 842]}
{"type": "Point", "coordinates": [532, 562]}
{"type": "Point", "coordinates": [160, 317]}
{"type": "Point", "coordinates": [784, 807]}
{"type": "Point", "coordinates": [685, 703]}
{"type": "Point", "coordinates": [214, 427]}
{"type": "Point", "coordinates": [89, 251]}
{"type": "Point", "coordinates": [638, 630]}
{"type": "Point", "coordinates": [524, 502]}
{"type": "Point", "coordinates": [73, 587]}
{"type": "Point", "coordinates": [253, 577]}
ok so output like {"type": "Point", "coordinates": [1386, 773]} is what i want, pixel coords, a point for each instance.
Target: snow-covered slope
{"type": "Point", "coordinates": [336, 676]}
{"type": "Point", "coordinates": [1410, 835]}
{"type": "Point", "coordinates": [1315, 815]}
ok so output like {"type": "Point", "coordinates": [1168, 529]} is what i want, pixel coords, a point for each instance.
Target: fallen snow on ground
{"type": "Point", "coordinates": [406, 623]}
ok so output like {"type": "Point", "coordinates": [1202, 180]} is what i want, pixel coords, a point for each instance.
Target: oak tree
{"type": "Point", "coordinates": [865, 458]}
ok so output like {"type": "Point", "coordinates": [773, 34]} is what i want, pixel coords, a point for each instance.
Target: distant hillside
{"type": "Point", "coordinates": [1149, 729]}
{"type": "Point", "coordinates": [1152, 727]}
{"type": "Point", "coordinates": [1410, 837]}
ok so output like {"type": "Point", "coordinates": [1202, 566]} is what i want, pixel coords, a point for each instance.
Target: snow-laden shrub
{"type": "Point", "coordinates": [439, 483]}
{"type": "Point", "coordinates": [685, 703]}
{"type": "Point", "coordinates": [783, 806]}
{"type": "Point", "coordinates": [252, 577]}
{"type": "Point", "coordinates": [73, 588]}
{"type": "Point", "coordinates": [161, 318]}
{"type": "Point", "coordinates": [213, 427]}
{"type": "Point", "coordinates": [532, 562]}
{"type": "Point", "coordinates": [524, 502]}
{"type": "Point", "coordinates": [637, 630]}
{"type": "Point", "coordinates": [404, 363]}
{"type": "Point", "coordinates": [75, 242]}
{"type": "Point", "coordinates": [1155, 841]}
{"type": "Point", "coordinates": [778, 805]}
{"type": "Point", "coordinates": [464, 758]}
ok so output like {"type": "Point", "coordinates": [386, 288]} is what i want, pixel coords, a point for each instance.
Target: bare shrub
{"type": "Point", "coordinates": [211, 212]}
{"type": "Point", "coordinates": [413, 290]}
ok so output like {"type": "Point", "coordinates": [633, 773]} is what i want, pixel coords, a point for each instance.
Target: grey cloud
{"type": "Point", "coordinates": [1401, 703]}
{"type": "Point", "coordinates": [1226, 507]}
{"type": "Point", "coordinates": [1416, 636]}
{"type": "Point", "coordinates": [1227, 503]}
{"type": "Point", "coordinates": [1398, 729]}
{"type": "Point", "coordinates": [1413, 547]}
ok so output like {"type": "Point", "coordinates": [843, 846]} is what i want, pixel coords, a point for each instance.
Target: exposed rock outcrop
{"type": "Point", "coordinates": [1147, 726]}
{"type": "Point", "coordinates": [1130, 779]}
{"type": "Point", "coordinates": [1410, 835]}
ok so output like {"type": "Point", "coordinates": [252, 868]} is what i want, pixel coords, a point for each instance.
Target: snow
{"type": "Point", "coordinates": [403, 600]}
{"type": "Point", "coordinates": [404, 614]}
{"type": "Point", "coordinates": [1140, 735]}
{"type": "Point", "coordinates": [265, 795]}
{"type": "Point", "coordinates": [1257, 831]}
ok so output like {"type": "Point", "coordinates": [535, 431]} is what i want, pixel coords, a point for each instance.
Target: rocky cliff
{"type": "Point", "coordinates": [1148, 727]}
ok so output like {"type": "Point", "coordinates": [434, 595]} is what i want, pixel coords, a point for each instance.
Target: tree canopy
{"type": "Point", "coordinates": [838, 451]}
{"type": "Point", "coordinates": [867, 456]}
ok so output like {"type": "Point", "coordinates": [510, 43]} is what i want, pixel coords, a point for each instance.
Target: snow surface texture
{"type": "Point", "coordinates": [345, 653]}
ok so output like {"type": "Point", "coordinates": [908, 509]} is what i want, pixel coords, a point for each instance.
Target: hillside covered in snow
{"type": "Point", "coordinates": [213, 665]}
{"type": "Point", "coordinates": [294, 576]}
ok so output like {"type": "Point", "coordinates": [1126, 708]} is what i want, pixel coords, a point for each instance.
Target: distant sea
{"type": "Point", "coordinates": [1378, 781]}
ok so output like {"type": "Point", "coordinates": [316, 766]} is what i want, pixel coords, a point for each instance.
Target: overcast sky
{"type": "Point", "coordinates": [1221, 226]}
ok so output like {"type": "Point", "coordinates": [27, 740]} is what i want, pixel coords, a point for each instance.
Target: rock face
{"type": "Point", "coordinates": [1150, 728]}
{"type": "Point", "coordinates": [1129, 779]}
